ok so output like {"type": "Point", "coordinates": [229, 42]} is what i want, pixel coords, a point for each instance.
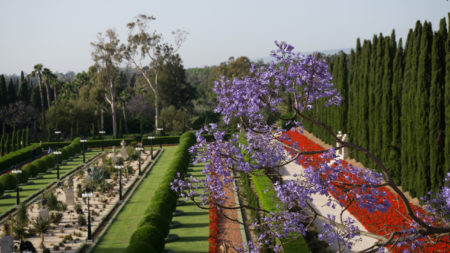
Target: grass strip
{"type": "Point", "coordinates": [194, 230]}
{"type": "Point", "coordinates": [117, 237]}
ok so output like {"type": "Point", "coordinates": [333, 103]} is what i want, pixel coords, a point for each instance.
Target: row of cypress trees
{"type": "Point", "coordinates": [16, 140]}
{"type": "Point", "coordinates": [396, 104]}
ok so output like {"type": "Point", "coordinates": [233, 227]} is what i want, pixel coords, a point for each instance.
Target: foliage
{"type": "Point", "coordinates": [81, 220]}
{"type": "Point", "coordinates": [18, 156]}
{"type": "Point", "coordinates": [265, 89]}
{"type": "Point", "coordinates": [150, 234]}
{"type": "Point", "coordinates": [8, 181]}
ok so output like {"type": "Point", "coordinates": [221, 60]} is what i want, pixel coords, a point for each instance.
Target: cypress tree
{"type": "Point", "coordinates": [386, 101]}
{"type": "Point", "coordinates": [396, 141]}
{"type": "Point", "coordinates": [7, 144]}
{"type": "Point", "coordinates": [405, 111]}
{"type": "Point", "coordinates": [447, 102]}
{"type": "Point", "coordinates": [27, 137]}
{"type": "Point", "coordinates": [13, 140]}
{"type": "Point", "coordinates": [363, 98]}
{"type": "Point", "coordinates": [12, 95]}
{"type": "Point", "coordinates": [422, 100]}
{"type": "Point", "coordinates": [436, 123]}
{"type": "Point", "coordinates": [35, 99]}
{"type": "Point", "coordinates": [2, 145]}
{"type": "Point", "coordinates": [23, 93]}
{"type": "Point", "coordinates": [377, 93]}
{"type": "Point", "coordinates": [3, 91]}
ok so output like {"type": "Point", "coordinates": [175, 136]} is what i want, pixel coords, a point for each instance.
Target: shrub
{"type": "Point", "coordinates": [157, 220]}
{"type": "Point", "coordinates": [81, 220]}
{"type": "Point", "coordinates": [140, 247]}
{"type": "Point", "coordinates": [31, 169]}
{"type": "Point", "coordinates": [41, 165]}
{"type": "Point", "coordinates": [52, 202]}
{"type": "Point", "coordinates": [23, 177]}
{"type": "Point", "coordinates": [1, 189]}
{"type": "Point", "coordinates": [18, 156]}
{"type": "Point", "coordinates": [151, 234]}
{"type": "Point", "coordinates": [8, 181]}
{"type": "Point", "coordinates": [55, 217]}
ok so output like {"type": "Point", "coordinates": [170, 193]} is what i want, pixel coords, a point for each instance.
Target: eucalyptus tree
{"type": "Point", "coordinates": [38, 73]}
{"type": "Point", "coordinates": [146, 50]}
{"type": "Point", "coordinates": [107, 57]}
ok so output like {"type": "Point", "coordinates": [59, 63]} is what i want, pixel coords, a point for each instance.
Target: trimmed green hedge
{"type": "Point", "coordinates": [18, 156]}
{"type": "Point", "coordinates": [8, 181]}
{"type": "Point", "coordinates": [157, 217]}
{"type": "Point", "coordinates": [268, 200]}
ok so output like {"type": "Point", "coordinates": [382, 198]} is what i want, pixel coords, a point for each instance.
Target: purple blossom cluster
{"type": "Point", "coordinates": [308, 80]}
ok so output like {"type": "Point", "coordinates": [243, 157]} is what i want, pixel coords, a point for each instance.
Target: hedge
{"type": "Point", "coordinates": [18, 156]}
{"type": "Point", "coordinates": [32, 169]}
{"type": "Point", "coordinates": [268, 201]}
{"type": "Point", "coordinates": [8, 181]}
{"type": "Point", "coordinates": [159, 213]}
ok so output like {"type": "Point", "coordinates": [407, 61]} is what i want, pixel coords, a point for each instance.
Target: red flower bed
{"type": "Point", "coordinates": [213, 228]}
{"type": "Point", "coordinates": [381, 223]}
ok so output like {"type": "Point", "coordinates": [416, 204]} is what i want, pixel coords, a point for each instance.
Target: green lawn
{"type": "Point", "coordinates": [117, 237]}
{"type": "Point", "coordinates": [194, 229]}
{"type": "Point", "coordinates": [28, 190]}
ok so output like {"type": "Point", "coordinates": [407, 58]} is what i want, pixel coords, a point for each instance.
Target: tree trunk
{"type": "Point", "coordinates": [42, 100]}
{"type": "Point", "coordinates": [54, 94]}
{"type": "Point", "coordinates": [124, 108]}
{"type": "Point", "coordinates": [42, 246]}
{"type": "Point", "coordinates": [156, 102]}
{"type": "Point", "coordinates": [113, 108]}
{"type": "Point", "coordinates": [48, 93]}
{"type": "Point", "coordinates": [102, 119]}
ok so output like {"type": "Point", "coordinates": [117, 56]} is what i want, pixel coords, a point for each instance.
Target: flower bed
{"type": "Point", "coordinates": [213, 228]}
{"type": "Point", "coordinates": [382, 223]}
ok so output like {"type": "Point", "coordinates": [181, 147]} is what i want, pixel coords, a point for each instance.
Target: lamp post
{"type": "Point", "coordinates": [57, 153]}
{"type": "Point", "coordinates": [151, 145]}
{"type": "Point", "coordinates": [88, 195]}
{"type": "Point", "coordinates": [17, 172]}
{"type": "Point", "coordinates": [160, 129]}
{"type": "Point", "coordinates": [102, 132]}
{"type": "Point", "coordinates": [120, 167]}
{"type": "Point", "coordinates": [83, 141]}
{"type": "Point", "coordinates": [139, 159]}
{"type": "Point", "coordinates": [57, 133]}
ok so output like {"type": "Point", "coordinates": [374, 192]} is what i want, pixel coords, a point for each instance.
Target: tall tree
{"type": "Point", "coordinates": [49, 78]}
{"type": "Point", "coordinates": [3, 91]}
{"type": "Point", "coordinates": [107, 56]}
{"type": "Point", "coordinates": [436, 123]}
{"type": "Point", "coordinates": [24, 91]}
{"type": "Point", "coordinates": [386, 98]}
{"type": "Point", "coordinates": [12, 93]}
{"type": "Point", "coordinates": [144, 45]}
{"type": "Point", "coordinates": [447, 100]}
{"type": "Point", "coordinates": [38, 73]}
{"type": "Point", "coordinates": [422, 99]}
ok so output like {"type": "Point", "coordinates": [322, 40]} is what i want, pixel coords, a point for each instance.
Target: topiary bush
{"type": "Point", "coordinates": [150, 234]}
{"type": "Point", "coordinates": [31, 169]}
{"type": "Point", "coordinates": [157, 220]}
{"type": "Point", "coordinates": [140, 246]}
{"type": "Point", "coordinates": [41, 165]}
{"type": "Point", "coordinates": [23, 177]}
{"type": "Point", "coordinates": [8, 181]}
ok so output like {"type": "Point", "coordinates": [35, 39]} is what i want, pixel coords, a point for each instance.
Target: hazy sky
{"type": "Point", "coordinates": [58, 33]}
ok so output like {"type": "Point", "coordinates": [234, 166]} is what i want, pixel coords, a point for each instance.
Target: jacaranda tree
{"type": "Point", "coordinates": [254, 101]}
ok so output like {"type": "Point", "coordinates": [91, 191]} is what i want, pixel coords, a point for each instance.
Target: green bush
{"type": "Point", "coordinates": [158, 220]}
{"type": "Point", "coordinates": [8, 181]}
{"type": "Point", "coordinates": [1, 189]}
{"type": "Point", "coordinates": [23, 177]}
{"type": "Point", "coordinates": [140, 247]}
{"type": "Point", "coordinates": [151, 234]}
{"type": "Point", "coordinates": [41, 165]}
{"type": "Point", "coordinates": [31, 169]}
